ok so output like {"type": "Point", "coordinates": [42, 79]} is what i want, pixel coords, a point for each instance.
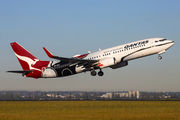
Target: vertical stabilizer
{"type": "Point", "coordinates": [26, 59]}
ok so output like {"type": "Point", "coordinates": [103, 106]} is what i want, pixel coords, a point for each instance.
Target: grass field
{"type": "Point", "coordinates": [90, 110]}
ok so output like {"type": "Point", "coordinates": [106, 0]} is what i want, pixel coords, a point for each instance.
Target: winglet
{"type": "Point", "coordinates": [48, 53]}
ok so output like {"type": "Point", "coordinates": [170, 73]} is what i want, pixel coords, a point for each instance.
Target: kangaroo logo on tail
{"type": "Point", "coordinates": [29, 61]}
{"type": "Point", "coordinates": [32, 66]}
{"type": "Point", "coordinates": [26, 59]}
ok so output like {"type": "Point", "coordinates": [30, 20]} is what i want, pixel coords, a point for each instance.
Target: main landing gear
{"type": "Point", "coordinates": [93, 73]}
{"type": "Point", "coordinates": [100, 73]}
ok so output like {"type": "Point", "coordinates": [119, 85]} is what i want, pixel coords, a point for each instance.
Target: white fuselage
{"type": "Point", "coordinates": [131, 50]}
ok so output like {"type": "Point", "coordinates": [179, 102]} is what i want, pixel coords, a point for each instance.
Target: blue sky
{"type": "Point", "coordinates": [68, 28]}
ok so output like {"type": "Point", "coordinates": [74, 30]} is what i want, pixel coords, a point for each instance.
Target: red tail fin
{"type": "Point", "coordinates": [29, 62]}
{"type": "Point", "coordinates": [26, 59]}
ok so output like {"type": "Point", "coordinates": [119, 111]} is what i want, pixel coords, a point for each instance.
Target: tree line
{"type": "Point", "coordinates": [83, 95]}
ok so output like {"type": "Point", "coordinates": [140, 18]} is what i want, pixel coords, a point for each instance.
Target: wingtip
{"type": "Point", "coordinates": [48, 53]}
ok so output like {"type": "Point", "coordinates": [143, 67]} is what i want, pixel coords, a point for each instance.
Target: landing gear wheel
{"type": "Point", "coordinates": [100, 73]}
{"type": "Point", "coordinates": [93, 73]}
{"type": "Point", "coordinates": [160, 57]}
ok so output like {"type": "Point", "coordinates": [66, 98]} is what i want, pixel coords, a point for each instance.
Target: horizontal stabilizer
{"type": "Point", "coordinates": [22, 71]}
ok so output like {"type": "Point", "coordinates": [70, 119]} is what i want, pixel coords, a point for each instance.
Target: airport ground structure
{"type": "Point", "coordinates": [84, 95]}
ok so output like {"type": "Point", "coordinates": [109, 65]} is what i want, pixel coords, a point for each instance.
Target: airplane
{"type": "Point", "coordinates": [114, 57]}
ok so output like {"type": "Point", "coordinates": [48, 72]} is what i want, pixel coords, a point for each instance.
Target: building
{"type": "Point", "coordinates": [129, 94]}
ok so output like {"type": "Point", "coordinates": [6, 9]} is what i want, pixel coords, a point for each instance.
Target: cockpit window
{"type": "Point", "coordinates": [162, 40]}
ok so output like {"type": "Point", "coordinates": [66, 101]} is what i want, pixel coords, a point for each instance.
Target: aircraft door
{"type": "Point", "coordinates": [152, 43]}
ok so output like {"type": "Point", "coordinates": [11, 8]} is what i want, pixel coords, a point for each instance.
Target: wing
{"type": "Point", "coordinates": [72, 60]}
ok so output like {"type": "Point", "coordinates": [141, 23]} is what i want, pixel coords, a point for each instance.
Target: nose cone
{"type": "Point", "coordinates": [172, 43]}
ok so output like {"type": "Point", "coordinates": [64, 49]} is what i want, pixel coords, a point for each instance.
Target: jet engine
{"type": "Point", "coordinates": [107, 62]}
{"type": "Point", "coordinates": [121, 64]}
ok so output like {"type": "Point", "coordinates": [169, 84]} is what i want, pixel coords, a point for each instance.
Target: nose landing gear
{"type": "Point", "coordinates": [159, 57]}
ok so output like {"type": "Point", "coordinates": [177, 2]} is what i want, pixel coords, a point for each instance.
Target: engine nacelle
{"type": "Point", "coordinates": [49, 73]}
{"type": "Point", "coordinates": [107, 62]}
{"type": "Point", "coordinates": [121, 64]}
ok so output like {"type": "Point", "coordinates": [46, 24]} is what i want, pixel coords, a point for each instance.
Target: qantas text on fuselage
{"type": "Point", "coordinates": [114, 58]}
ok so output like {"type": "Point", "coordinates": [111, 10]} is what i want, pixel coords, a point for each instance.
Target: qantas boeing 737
{"type": "Point", "coordinates": [114, 58]}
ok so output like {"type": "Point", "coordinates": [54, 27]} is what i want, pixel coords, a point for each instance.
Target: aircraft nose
{"type": "Point", "coordinates": [172, 43]}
